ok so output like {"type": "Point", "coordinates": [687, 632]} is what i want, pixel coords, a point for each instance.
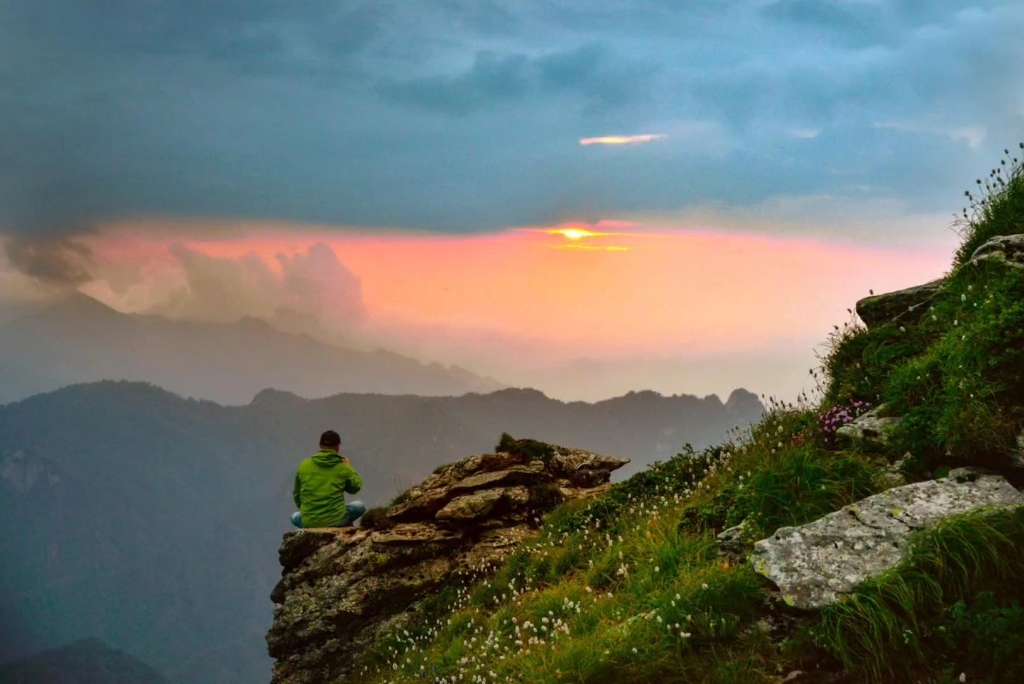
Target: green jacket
{"type": "Point", "coordinates": [320, 486]}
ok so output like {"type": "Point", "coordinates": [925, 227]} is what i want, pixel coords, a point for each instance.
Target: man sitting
{"type": "Point", "coordinates": [320, 486]}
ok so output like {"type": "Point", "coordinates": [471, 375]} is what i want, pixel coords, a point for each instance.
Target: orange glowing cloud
{"type": "Point", "coordinates": [623, 139]}
{"type": "Point", "coordinates": [649, 292]}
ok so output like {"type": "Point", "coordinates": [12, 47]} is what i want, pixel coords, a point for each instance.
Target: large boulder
{"type": "Point", "coordinates": [814, 564]}
{"type": "Point", "coordinates": [904, 306]}
{"type": "Point", "coordinates": [341, 589]}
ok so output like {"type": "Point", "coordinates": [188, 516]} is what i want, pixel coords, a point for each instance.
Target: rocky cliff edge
{"type": "Point", "coordinates": [341, 588]}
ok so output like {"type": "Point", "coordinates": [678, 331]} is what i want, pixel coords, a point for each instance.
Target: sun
{"type": "Point", "coordinates": [576, 233]}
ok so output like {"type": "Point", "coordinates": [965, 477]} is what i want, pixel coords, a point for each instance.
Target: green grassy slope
{"type": "Point", "coordinates": [631, 588]}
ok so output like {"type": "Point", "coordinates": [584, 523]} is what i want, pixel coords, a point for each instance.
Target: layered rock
{"type": "Point", "coordinates": [814, 564]}
{"type": "Point", "coordinates": [343, 588]}
{"type": "Point", "coordinates": [906, 306]}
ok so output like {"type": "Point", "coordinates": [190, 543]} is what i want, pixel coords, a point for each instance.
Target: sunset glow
{"type": "Point", "coordinates": [642, 291]}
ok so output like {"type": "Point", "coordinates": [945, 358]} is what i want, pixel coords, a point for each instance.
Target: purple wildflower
{"type": "Point", "coordinates": [838, 416]}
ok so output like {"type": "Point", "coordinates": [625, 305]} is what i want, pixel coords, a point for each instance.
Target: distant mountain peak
{"type": "Point", "coordinates": [79, 304]}
{"type": "Point", "coordinates": [742, 401]}
{"type": "Point", "coordinates": [519, 392]}
{"type": "Point", "coordinates": [275, 396]}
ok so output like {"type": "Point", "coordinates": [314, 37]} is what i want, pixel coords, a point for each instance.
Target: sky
{"type": "Point", "coordinates": [585, 196]}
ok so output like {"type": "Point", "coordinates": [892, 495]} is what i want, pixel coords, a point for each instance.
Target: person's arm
{"type": "Point", "coordinates": [355, 483]}
{"type": "Point", "coordinates": [297, 492]}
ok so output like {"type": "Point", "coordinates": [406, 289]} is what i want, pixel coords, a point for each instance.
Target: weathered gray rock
{"type": "Point", "coordinates": [967, 474]}
{"type": "Point", "coordinates": [870, 429]}
{"type": "Point", "coordinates": [484, 503]}
{"type": "Point", "coordinates": [341, 589]}
{"type": "Point", "coordinates": [905, 306]}
{"type": "Point", "coordinates": [733, 544]}
{"type": "Point", "coordinates": [814, 564]}
{"type": "Point", "coordinates": [1006, 250]}
{"type": "Point", "coordinates": [516, 475]}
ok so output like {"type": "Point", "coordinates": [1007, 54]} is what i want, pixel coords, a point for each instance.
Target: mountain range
{"type": "Point", "coordinates": [149, 521]}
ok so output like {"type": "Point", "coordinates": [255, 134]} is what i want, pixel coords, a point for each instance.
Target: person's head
{"type": "Point", "coordinates": [330, 440]}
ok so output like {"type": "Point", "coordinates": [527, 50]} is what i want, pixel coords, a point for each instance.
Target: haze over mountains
{"type": "Point", "coordinates": [80, 339]}
{"type": "Point", "coordinates": [149, 521]}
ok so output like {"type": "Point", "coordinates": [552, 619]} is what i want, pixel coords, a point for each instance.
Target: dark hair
{"type": "Point", "coordinates": [330, 439]}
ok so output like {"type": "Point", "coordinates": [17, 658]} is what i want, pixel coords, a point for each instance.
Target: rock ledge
{"type": "Point", "coordinates": [342, 588]}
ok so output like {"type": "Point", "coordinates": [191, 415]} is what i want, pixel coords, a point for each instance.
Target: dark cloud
{"type": "Point", "coordinates": [491, 81]}
{"type": "Point", "coordinates": [595, 71]}
{"type": "Point", "coordinates": [243, 31]}
{"type": "Point", "coordinates": [853, 24]}
{"type": "Point", "coordinates": [592, 73]}
{"type": "Point", "coordinates": [458, 116]}
{"type": "Point", "coordinates": [53, 261]}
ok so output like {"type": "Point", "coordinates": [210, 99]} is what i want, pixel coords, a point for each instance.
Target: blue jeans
{"type": "Point", "coordinates": [355, 511]}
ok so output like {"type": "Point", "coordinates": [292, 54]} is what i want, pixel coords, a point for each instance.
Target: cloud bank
{"type": "Point", "coordinates": [464, 117]}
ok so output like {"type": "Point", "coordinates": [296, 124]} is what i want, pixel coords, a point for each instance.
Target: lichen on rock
{"type": "Point", "coordinates": [814, 564]}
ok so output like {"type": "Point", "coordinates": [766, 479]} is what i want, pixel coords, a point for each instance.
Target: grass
{"type": "Point", "coordinates": [630, 586]}
{"type": "Point", "coordinates": [957, 377]}
{"type": "Point", "coordinates": [899, 622]}
{"type": "Point", "coordinates": [996, 205]}
{"type": "Point", "coordinates": [962, 396]}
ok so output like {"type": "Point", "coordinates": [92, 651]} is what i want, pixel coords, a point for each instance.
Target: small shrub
{"type": "Point", "coordinates": [401, 497]}
{"type": "Point", "coordinates": [529, 449]}
{"type": "Point", "coordinates": [377, 519]}
{"type": "Point", "coordinates": [985, 639]}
